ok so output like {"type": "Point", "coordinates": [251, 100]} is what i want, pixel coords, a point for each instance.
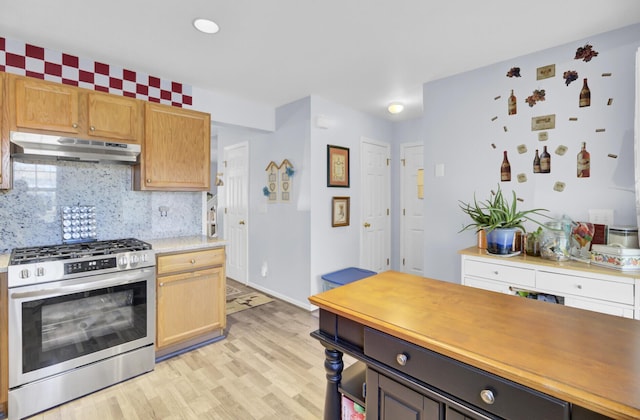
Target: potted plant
{"type": "Point", "coordinates": [499, 218]}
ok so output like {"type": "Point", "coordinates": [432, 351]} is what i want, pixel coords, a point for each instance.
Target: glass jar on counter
{"type": "Point", "coordinates": [555, 242]}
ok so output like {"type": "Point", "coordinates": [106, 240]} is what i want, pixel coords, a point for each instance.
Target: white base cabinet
{"type": "Point", "coordinates": [578, 284]}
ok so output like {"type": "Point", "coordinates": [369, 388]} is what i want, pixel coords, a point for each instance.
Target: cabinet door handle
{"type": "Point", "coordinates": [402, 359]}
{"type": "Point", "coordinates": [367, 224]}
{"type": "Point", "coordinates": [241, 222]}
{"type": "Point", "coordinates": [148, 180]}
{"type": "Point", "coordinates": [74, 125]}
{"type": "Point", "coordinates": [92, 128]}
{"type": "Point", "coordinates": [487, 396]}
{"type": "Point", "coordinates": [161, 285]}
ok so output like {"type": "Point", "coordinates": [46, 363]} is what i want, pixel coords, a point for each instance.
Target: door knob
{"type": "Point", "coordinates": [241, 222]}
{"type": "Point", "coordinates": [367, 224]}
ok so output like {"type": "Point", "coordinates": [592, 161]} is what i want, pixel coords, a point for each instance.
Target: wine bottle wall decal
{"type": "Point", "coordinates": [536, 163]}
{"type": "Point", "coordinates": [585, 94]}
{"type": "Point", "coordinates": [512, 104]}
{"type": "Point", "coordinates": [505, 169]}
{"type": "Point", "coordinates": [545, 161]}
{"type": "Point", "coordinates": [584, 162]}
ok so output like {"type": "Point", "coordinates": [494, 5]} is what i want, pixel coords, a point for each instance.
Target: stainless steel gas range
{"type": "Point", "coordinates": [81, 318]}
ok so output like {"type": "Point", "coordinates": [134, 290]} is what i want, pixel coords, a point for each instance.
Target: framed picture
{"type": "Point", "coordinates": [337, 166]}
{"type": "Point", "coordinates": [340, 211]}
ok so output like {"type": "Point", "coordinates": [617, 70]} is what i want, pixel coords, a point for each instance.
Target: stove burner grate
{"type": "Point", "coordinates": [78, 250]}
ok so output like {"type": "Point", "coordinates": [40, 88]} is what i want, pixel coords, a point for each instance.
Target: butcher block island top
{"type": "Point", "coordinates": [583, 357]}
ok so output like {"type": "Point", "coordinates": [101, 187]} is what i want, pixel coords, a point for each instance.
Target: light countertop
{"type": "Point", "coordinates": [184, 243]}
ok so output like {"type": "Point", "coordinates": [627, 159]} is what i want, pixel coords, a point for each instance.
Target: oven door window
{"type": "Point", "coordinates": [62, 328]}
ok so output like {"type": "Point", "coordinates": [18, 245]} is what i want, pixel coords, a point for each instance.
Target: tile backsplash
{"type": "Point", "coordinates": [31, 213]}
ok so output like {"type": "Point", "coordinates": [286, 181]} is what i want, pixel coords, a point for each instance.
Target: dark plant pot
{"type": "Point", "coordinates": [501, 241]}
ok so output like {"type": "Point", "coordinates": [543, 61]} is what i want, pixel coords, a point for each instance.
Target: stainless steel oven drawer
{"type": "Point", "coordinates": [481, 389]}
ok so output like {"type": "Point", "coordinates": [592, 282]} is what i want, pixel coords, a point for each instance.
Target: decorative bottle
{"type": "Point", "coordinates": [505, 169]}
{"type": "Point", "coordinates": [513, 107]}
{"type": "Point", "coordinates": [585, 95]}
{"type": "Point", "coordinates": [584, 162]}
{"type": "Point", "coordinates": [545, 161]}
{"type": "Point", "coordinates": [536, 163]}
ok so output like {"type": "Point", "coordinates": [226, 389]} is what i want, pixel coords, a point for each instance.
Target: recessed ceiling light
{"type": "Point", "coordinates": [395, 107]}
{"type": "Point", "coordinates": [207, 26]}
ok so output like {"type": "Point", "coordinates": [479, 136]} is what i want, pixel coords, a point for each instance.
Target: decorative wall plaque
{"type": "Point", "coordinates": [546, 72]}
{"type": "Point", "coordinates": [543, 122]}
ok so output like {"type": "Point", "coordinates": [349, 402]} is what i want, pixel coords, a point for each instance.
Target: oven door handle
{"type": "Point", "coordinates": [82, 285]}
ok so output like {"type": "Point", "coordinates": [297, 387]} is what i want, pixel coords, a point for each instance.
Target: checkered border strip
{"type": "Point", "coordinates": [29, 60]}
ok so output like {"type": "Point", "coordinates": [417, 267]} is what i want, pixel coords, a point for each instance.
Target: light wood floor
{"type": "Point", "coordinates": [268, 367]}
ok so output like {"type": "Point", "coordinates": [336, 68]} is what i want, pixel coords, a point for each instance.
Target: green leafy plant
{"type": "Point", "coordinates": [497, 212]}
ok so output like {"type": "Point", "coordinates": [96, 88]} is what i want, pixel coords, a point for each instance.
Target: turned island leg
{"type": "Point", "coordinates": [333, 365]}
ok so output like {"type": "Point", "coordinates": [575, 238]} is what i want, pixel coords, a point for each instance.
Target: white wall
{"type": "Point", "coordinates": [279, 233]}
{"type": "Point", "coordinates": [458, 131]}
{"type": "Point", "coordinates": [234, 111]}
{"type": "Point", "coordinates": [337, 248]}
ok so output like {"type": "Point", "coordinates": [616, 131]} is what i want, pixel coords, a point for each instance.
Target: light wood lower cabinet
{"type": "Point", "coordinates": [578, 285]}
{"type": "Point", "coordinates": [190, 299]}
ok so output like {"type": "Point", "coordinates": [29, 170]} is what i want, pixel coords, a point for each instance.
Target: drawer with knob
{"type": "Point", "coordinates": [601, 289]}
{"type": "Point", "coordinates": [500, 272]}
{"type": "Point", "coordinates": [465, 383]}
{"type": "Point", "coordinates": [189, 261]}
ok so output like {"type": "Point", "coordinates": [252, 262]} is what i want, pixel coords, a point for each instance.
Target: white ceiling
{"type": "Point", "coordinates": [359, 53]}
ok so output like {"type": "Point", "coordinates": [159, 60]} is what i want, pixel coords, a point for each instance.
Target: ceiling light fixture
{"type": "Point", "coordinates": [395, 107]}
{"type": "Point", "coordinates": [207, 26]}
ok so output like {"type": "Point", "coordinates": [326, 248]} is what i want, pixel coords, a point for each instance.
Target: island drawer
{"type": "Point", "coordinates": [479, 388]}
{"type": "Point", "coordinates": [499, 272]}
{"type": "Point", "coordinates": [612, 291]}
{"type": "Point", "coordinates": [190, 261]}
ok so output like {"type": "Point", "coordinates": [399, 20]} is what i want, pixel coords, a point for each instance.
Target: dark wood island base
{"type": "Point", "coordinates": [434, 350]}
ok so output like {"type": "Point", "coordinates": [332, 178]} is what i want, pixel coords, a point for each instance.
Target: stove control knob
{"type": "Point", "coordinates": [122, 261]}
{"type": "Point", "coordinates": [144, 257]}
{"type": "Point", "coordinates": [25, 273]}
{"type": "Point", "coordinates": [40, 271]}
{"type": "Point", "coordinates": [135, 260]}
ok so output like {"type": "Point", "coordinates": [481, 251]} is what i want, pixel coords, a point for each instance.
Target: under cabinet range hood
{"type": "Point", "coordinates": [40, 146]}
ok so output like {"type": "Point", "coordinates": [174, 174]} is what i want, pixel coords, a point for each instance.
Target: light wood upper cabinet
{"type": "Point", "coordinates": [41, 105]}
{"type": "Point", "coordinates": [175, 151]}
{"type": "Point", "coordinates": [190, 298]}
{"type": "Point", "coordinates": [5, 182]}
{"type": "Point", "coordinates": [53, 108]}
{"type": "Point", "coordinates": [114, 117]}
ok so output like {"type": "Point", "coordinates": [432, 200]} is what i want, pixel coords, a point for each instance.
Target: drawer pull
{"type": "Point", "coordinates": [401, 358]}
{"type": "Point", "coordinates": [193, 261]}
{"type": "Point", "coordinates": [487, 396]}
{"type": "Point", "coordinates": [496, 273]}
{"type": "Point", "coordinates": [579, 286]}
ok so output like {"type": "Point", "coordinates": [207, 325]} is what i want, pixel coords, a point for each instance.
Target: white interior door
{"type": "Point", "coordinates": [375, 234]}
{"type": "Point", "coordinates": [412, 213]}
{"type": "Point", "coordinates": [236, 222]}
